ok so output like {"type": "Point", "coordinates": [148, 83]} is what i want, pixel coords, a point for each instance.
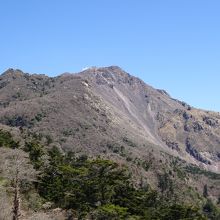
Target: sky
{"type": "Point", "coordinates": [172, 45]}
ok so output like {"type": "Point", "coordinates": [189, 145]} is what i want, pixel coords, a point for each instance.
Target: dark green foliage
{"type": "Point", "coordinates": [39, 116]}
{"type": "Point", "coordinates": [49, 139]}
{"type": "Point", "coordinates": [196, 170]}
{"type": "Point", "coordinates": [36, 151]}
{"type": "Point", "coordinates": [165, 184]}
{"type": "Point", "coordinates": [70, 182]}
{"type": "Point", "coordinates": [6, 140]}
{"type": "Point", "coordinates": [68, 132]}
{"type": "Point", "coordinates": [18, 121]}
{"type": "Point", "coordinates": [129, 142]}
{"type": "Point", "coordinates": [96, 188]}
{"type": "Point", "coordinates": [116, 148]}
{"type": "Point", "coordinates": [102, 189]}
{"type": "Point", "coordinates": [55, 156]}
{"type": "Point", "coordinates": [211, 210]}
{"type": "Point", "coordinates": [177, 211]}
{"type": "Point", "coordinates": [110, 212]}
{"type": "Point", "coordinates": [129, 159]}
{"type": "Point", "coordinates": [205, 191]}
{"type": "Point", "coordinates": [137, 201]}
{"type": "Point", "coordinates": [146, 165]}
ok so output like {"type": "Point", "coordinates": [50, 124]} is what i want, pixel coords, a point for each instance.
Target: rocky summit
{"type": "Point", "coordinates": [109, 113]}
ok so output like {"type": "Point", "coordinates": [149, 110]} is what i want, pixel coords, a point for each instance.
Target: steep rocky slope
{"type": "Point", "coordinates": [108, 111]}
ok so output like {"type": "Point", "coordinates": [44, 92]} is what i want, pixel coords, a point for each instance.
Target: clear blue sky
{"type": "Point", "coordinates": [170, 44]}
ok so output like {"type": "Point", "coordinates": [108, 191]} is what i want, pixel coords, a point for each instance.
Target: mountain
{"type": "Point", "coordinates": [108, 112]}
{"type": "Point", "coordinates": [100, 108]}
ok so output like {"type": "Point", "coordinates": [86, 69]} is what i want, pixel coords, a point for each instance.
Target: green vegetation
{"type": "Point", "coordinates": [110, 212]}
{"type": "Point", "coordinates": [129, 142]}
{"type": "Point", "coordinates": [68, 132]}
{"type": "Point", "coordinates": [116, 148]}
{"type": "Point", "coordinates": [165, 183]}
{"type": "Point", "coordinates": [39, 116]}
{"type": "Point", "coordinates": [100, 189]}
{"type": "Point", "coordinates": [205, 191]}
{"type": "Point", "coordinates": [18, 121]}
{"type": "Point", "coordinates": [196, 170]}
{"type": "Point", "coordinates": [6, 140]}
{"type": "Point", "coordinates": [36, 151]}
{"type": "Point", "coordinates": [49, 139]}
{"type": "Point", "coordinates": [211, 210]}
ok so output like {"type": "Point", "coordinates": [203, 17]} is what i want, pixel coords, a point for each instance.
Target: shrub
{"type": "Point", "coordinates": [6, 140]}
{"type": "Point", "coordinates": [110, 212]}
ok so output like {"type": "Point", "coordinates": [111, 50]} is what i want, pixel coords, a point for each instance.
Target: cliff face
{"type": "Point", "coordinates": [107, 111]}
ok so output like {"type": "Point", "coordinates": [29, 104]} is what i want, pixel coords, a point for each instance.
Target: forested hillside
{"type": "Point", "coordinates": [102, 144]}
{"type": "Point", "coordinates": [38, 182]}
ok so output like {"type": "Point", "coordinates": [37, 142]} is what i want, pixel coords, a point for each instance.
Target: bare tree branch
{"type": "Point", "coordinates": [16, 167]}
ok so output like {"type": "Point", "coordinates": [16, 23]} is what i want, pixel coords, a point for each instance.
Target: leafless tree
{"type": "Point", "coordinates": [15, 166]}
{"type": "Point", "coordinates": [5, 205]}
